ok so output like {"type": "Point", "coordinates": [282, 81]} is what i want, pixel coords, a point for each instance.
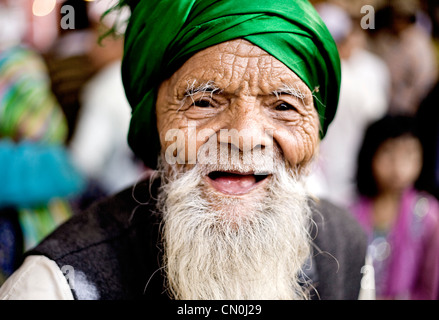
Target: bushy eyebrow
{"type": "Point", "coordinates": [290, 90]}
{"type": "Point", "coordinates": [209, 87]}
{"type": "Point", "coordinates": [204, 87]}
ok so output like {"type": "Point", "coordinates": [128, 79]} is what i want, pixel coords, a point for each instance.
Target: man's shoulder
{"type": "Point", "coordinates": [339, 250]}
{"type": "Point", "coordinates": [111, 246]}
{"type": "Point", "coordinates": [106, 219]}
{"type": "Point", "coordinates": [332, 220]}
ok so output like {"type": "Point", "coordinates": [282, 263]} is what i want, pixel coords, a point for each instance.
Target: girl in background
{"type": "Point", "coordinates": [402, 222]}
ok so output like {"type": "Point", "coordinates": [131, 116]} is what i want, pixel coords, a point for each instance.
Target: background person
{"type": "Point", "coordinates": [401, 221]}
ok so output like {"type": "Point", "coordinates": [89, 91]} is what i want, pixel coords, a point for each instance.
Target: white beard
{"type": "Point", "coordinates": [233, 248]}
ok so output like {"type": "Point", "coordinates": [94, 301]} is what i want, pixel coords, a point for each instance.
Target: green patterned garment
{"type": "Point", "coordinates": [30, 113]}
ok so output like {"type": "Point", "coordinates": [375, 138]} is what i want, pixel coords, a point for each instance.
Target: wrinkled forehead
{"type": "Point", "coordinates": [237, 67]}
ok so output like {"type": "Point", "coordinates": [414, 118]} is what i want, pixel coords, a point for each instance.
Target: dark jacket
{"type": "Point", "coordinates": [115, 250]}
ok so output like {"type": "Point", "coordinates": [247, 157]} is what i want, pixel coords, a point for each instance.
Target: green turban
{"type": "Point", "coordinates": [162, 34]}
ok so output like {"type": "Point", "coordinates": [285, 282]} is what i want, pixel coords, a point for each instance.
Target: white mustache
{"type": "Point", "coordinates": [258, 161]}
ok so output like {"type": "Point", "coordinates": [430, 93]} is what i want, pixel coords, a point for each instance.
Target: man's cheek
{"type": "Point", "coordinates": [188, 145]}
{"type": "Point", "coordinates": [297, 146]}
{"type": "Point", "coordinates": [173, 144]}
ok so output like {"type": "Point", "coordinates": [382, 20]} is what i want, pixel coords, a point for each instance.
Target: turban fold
{"type": "Point", "coordinates": [162, 34]}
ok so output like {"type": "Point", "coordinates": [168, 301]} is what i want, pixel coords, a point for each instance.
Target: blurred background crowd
{"type": "Point", "coordinates": [64, 120]}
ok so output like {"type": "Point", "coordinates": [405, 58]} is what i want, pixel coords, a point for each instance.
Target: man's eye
{"type": "Point", "coordinates": [202, 104]}
{"type": "Point", "coordinates": [285, 107]}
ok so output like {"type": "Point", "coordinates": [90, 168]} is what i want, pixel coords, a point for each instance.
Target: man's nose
{"type": "Point", "coordinates": [246, 129]}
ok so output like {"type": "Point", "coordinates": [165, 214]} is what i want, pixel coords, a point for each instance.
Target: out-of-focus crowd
{"type": "Point", "coordinates": [64, 118]}
{"type": "Point", "coordinates": [380, 158]}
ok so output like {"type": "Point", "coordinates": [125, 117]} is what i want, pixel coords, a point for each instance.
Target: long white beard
{"type": "Point", "coordinates": [234, 248]}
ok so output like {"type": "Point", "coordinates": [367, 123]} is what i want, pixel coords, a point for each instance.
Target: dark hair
{"type": "Point", "coordinates": [377, 132]}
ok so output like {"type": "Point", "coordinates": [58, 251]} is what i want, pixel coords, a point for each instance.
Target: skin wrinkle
{"type": "Point", "coordinates": [246, 100]}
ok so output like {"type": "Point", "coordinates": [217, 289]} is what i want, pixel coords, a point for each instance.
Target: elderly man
{"type": "Point", "coordinates": [230, 99]}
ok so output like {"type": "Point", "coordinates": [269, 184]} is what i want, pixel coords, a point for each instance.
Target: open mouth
{"type": "Point", "coordinates": [235, 183]}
